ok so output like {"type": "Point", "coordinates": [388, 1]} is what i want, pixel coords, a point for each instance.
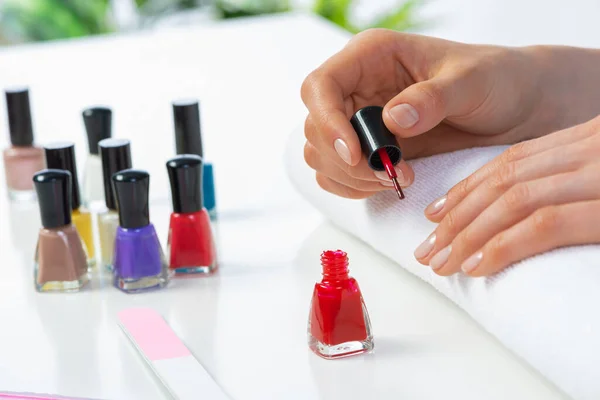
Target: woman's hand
{"type": "Point", "coordinates": [439, 96]}
{"type": "Point", "coordinates": [536, 196]}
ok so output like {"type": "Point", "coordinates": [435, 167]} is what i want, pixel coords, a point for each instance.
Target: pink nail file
{"type": "Point", "coordinates": [179, 371]}
{"type": "Point", "coordinates": [34, 396]}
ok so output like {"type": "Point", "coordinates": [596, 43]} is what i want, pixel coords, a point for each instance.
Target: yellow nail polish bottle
{"type": "Point", "coordinates": [61, 155]}
{"type": "Point", "coordinates": [82, 219]}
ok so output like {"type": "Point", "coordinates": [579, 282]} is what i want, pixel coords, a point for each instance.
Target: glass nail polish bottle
{"type": "Point", "coordinates": [191, 247]}
{"type": "Point", "coordinates": [208, 191]}
{"type": "Point", "coordinates": [22, 159]}
{"type": "Point", "coordinates": [98, 126]}
{"type": "Point", "coordinates": [188, 140]}
{"type": "Point", "coordinates": [60, 261]}
{"type": "Point", "coordinates": [61, 155]}
{"type": "Point", "coordinates": [116, 156]}
{"type": "Point", "coordinates": [338, 325]}
{"type": "Point", "coordinates": [139, 262]}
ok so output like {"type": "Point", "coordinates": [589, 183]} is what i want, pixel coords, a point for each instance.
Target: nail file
{"type": "Point", "coordinates": [34, 396]}
{"type": "Point", "coordinates": [176, 367]}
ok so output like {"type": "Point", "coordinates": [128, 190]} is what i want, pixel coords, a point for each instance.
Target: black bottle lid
{"type": "Point", "coordinates": [53, 187]}
{"type": "Point", "coordinates": [185, 175]}
{"type": "Point", "coordinates": [19, 117]}
{"type": "Point", "coordinates": [116, 156]}
{"type": "Point", "coordinates": [131, 191]}
{"type": "Point", "coordinates": [98, 126]}
{"type": "Point", "coordinates": [188, 133]}
{"type": "Point", "coordinates": [373, 135]}
{"type": "Point", "coordinates": [61, 155]}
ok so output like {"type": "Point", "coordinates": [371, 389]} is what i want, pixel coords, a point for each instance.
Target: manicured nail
{"type": "Point", "coordinates": [440, 258]}
{"type": "Point", "coordinates": [425, 248]}
{"type": "Point", "coordinates": [383, 176]}
{"type": "Point", "coordinates": [436, 206]}
{"type": "Point", "coordinates": [404, 115]}
{"type": "Point", "coordinates": [472, 262]}
{"type": "Point", "coordinates": [343, 150]}
{"type": "Point", "coordinates": [386, 183]}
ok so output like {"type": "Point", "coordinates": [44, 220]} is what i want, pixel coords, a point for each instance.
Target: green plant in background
{"type": "Point", "coordinates": [37, 20]}
{"type": "Point", "coordinates": [339, 12]}
{"type": "Point", "coordinates": [242, 8]}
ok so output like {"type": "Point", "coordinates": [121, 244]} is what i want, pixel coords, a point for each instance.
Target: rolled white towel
{"type": "Point", "coordinates": [546, 309]}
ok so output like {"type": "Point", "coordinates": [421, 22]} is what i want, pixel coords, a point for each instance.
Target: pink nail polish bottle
{"type": "Point", "coordinates": [22, 159]}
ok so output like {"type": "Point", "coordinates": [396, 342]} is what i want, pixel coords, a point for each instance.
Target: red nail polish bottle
{"type": "Point", "coordinates": [191, 247]}
{"type": "Point", "coordinates": [338, 325]}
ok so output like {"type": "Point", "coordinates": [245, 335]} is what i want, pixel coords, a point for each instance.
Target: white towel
{"type": "Point", "coordinates": [546, 309]}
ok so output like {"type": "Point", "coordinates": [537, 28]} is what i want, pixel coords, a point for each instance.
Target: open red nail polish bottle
{"type": "Point", "coordinates": [191, 247]}
{"type": "Point", "coordinates": [338, 325]}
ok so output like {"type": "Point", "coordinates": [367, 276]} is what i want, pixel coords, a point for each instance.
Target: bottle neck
{"type": "Point", "coordinates": [335, 265]}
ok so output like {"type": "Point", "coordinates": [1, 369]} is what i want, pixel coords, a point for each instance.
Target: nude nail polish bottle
{"type": "Point", "coordinates": [338, 324]}
{"type": "Point", "coordinates": [116, 156]}
{"type": "Point", "coordinates": [61, 155]}
{"type": "Point", "coordinates": [191, 248]}
{"type": "Point", "coordinates": [139, 263]}
{"type": "Point", "coordinates": [98, 126]}
{"type": "Point", "coordinates": [22, 159]}
{"type": "Point", "coordinates": [188, 140]}
{"type": "Point", "coordinates": [60, 261]}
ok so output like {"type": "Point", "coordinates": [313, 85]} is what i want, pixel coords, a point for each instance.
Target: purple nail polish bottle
{"type": "Point", "coordinates": [139, 263]}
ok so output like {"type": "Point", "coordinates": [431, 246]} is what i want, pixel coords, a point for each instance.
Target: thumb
{"type": "Point", "coordinates": [420, 107]}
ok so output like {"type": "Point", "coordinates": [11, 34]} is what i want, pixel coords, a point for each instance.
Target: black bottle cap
{"type": "Point", "coordinates": [131, 190]}
{"type": "Point", "coordinates": [185, 174]}
{"type": "Point", "coordinates": [116, 156]}
{"type": "Point", "coordinates": [61, 155]}
{"type": "Point", "coordinates": [53, 187]}
{"type": "Point", "coordinates": [188, 133]}
{"type": "Point", "coordinates": [373, 135]}
{"type": "Point", "coordinates": [98, 126]}
{"type": "Point", "coordinates": [19, 117]}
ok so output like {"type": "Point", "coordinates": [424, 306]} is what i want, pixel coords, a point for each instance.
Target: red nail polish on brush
{"type": "Point", "coordinates": [191, 246]}
{"type": "Point", "coordinates": [338, 325]}
{"type": "Point", "coordinates": [378, 144]}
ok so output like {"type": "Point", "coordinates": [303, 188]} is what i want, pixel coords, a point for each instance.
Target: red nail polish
{"type": "Point", "coordinates": [378, 144]}
{"type": "Point", "coordinates": [191, 245]}
{"type": "Point", "coordinates": [338, 325]}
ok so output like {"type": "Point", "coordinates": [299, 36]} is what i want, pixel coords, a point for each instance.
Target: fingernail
{"type": "Point", "coordinates": [440, 258]}
{"type": "Point", "coordinates": [436, 206]}
{"type": "Point", "coordinates": [404, 115]}
{"type": "Point", "coordinates": [343, 150]}
{"type": "Point", "coordinates": [472, 262]}
{"type": "Point", "coordinates": [386, 183]}
{"type": "Point", "coordinates": [383, 176]}
{"type": "Point", "coordinates": [425, 248]}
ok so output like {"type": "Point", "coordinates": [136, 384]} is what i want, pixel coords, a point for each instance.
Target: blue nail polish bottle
{"type": "Point", "coordinates": [208, 190]}
{"type": "Point", "coordinates": [188, 140]}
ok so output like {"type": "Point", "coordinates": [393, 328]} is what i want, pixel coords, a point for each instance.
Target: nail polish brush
{"type": "Point", "coordinates": [378, 144]}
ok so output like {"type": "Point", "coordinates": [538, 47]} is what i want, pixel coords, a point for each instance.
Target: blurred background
{"type": "Point", "coordinates": [509, 22]}
{"type": "Point", "coordinates": [23, 21]}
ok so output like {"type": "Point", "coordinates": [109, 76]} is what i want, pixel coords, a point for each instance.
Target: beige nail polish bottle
{"type": "Point", "coordinates": [22, 159]}
{"type": "Point", "coordinates": [116, 156]}
{"type": "Point", "coordinates": [60, 260]}
{"type": "Point", "coordinates": [98, 126]}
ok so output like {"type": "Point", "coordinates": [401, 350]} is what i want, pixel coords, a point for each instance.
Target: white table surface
{"type": "Point", "coordinates": [246, 324]}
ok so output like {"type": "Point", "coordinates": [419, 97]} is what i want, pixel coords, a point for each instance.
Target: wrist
{"type": "Point", "coordinates": [567, 86]}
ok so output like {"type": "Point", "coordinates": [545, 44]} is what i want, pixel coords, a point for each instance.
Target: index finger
{"type": "Point", "coordinates": [324, 92]}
